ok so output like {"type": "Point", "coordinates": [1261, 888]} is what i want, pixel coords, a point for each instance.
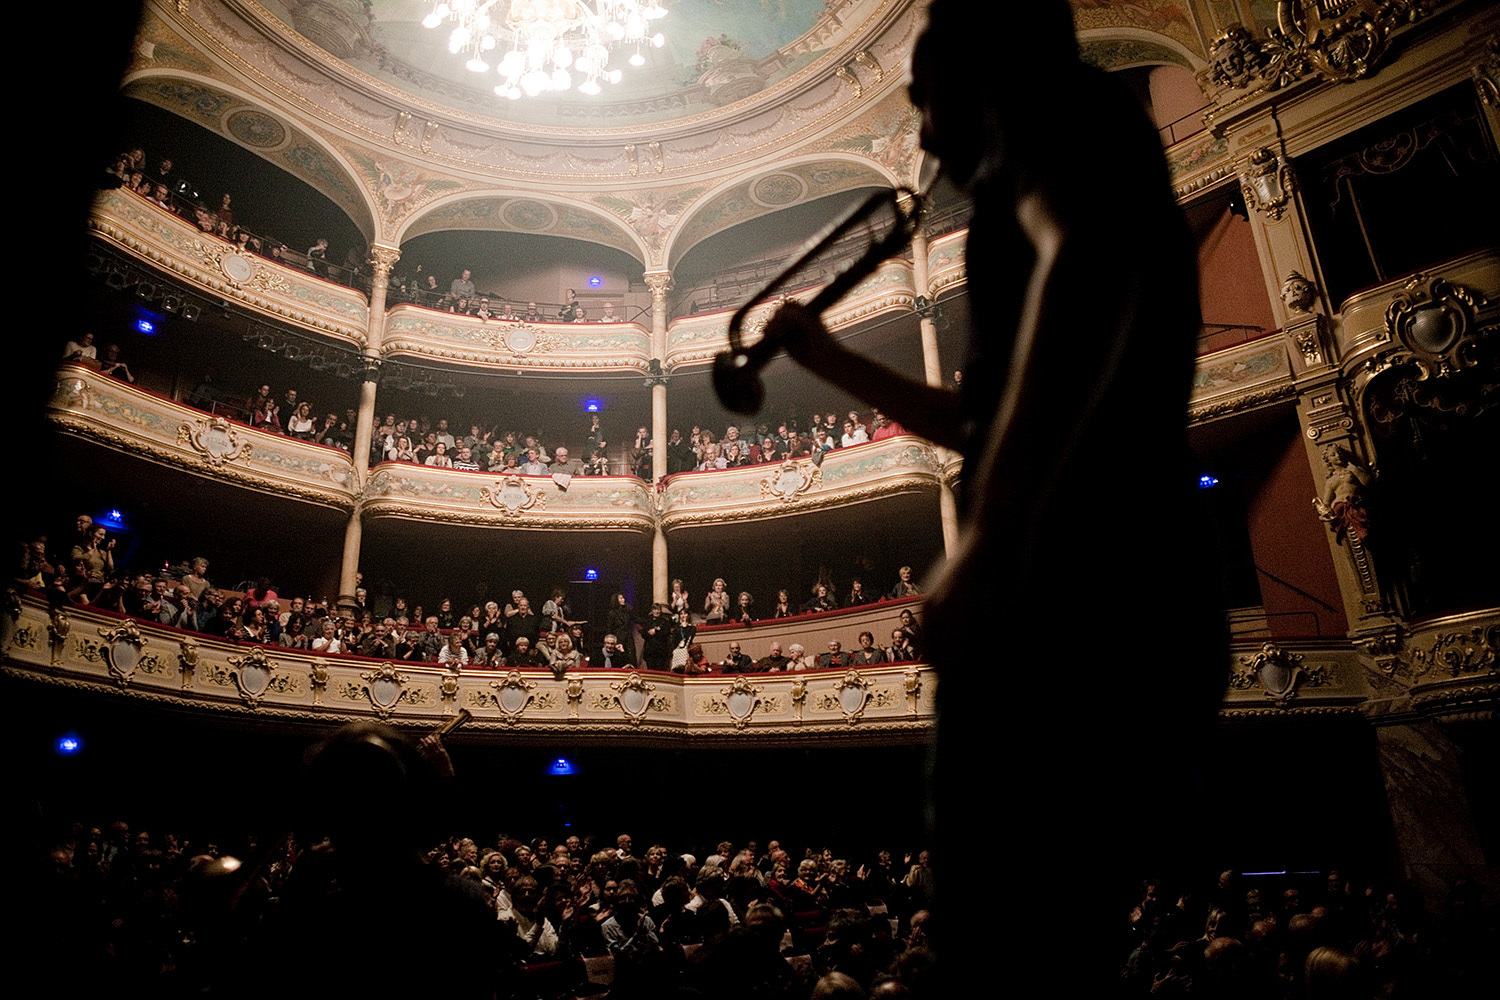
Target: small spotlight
{"type": "Point", "coordinates": [69, 744]}
{"type": "Point", "coordinates": [591, 574]}
{"type": "Point", "coordinates": [146, 290]}
{"type": "Point", "coordinates": [145, 326]}
{"type": "Point", "coordinates": [191, 312]}
{"type": "Point", "coordinates": [561, 765]}
{"type": "Point", "coordinates": [1206, 481]}
{"type": "Point", "coordinates": [595, 281]}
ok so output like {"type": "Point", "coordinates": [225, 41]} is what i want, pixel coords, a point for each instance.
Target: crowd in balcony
{"type": "Point", "coordinates": [164, 186]}
{"type": "Point", "coordinates": [517, 635]}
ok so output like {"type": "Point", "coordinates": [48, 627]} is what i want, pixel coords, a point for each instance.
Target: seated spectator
{"type": "Point", "coordinates": [885, 427]}
{"type": "Point", "coordinates": [904, 586]}
{"type": "Point", "coordinates": [857, 595]}
{"type": "Point", "coordinates": [736, 662]}
{"type": "Point", "coordinates": [835, 657]}
{"type": "Point", "coordinates": [853, 435]}
{"type": "Point", "coordinates": [868, 654]}
{"type": "Point", "coordinates": [439, 457]}
{"type": "Point", "coordinates": [300, 423]}
{"type": "Point", "coordinates": [744, 612]}
{"type": "Point", "coordinates": [611, 655]}
{"type": "Point", "coordinates": [562, 657]}
{"type": "Point", "coordinates": [821, 600]}
{"type": "Point", "coordinates": [901, 649]}
{"type": "Point", "coordinates": [773, 661]}
{"type": "Point", "coordinates": [608, 315]}
{"type": "Point", "coordinates": [796, 658]}
{"type": "Point", "coordinates": [82, 351]}
{"type": "Point", "coordinates": [522, 657]}
{"type": "Point", "coordinates": [453, 654]}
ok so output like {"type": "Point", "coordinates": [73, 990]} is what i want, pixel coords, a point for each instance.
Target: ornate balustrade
{"type": "Point", "coordinates": [1429, 317]}
{"type": "Point", "coordinates": [846, 476]}
{"type": "Point", "coordinates": [290, 294]}
{"type": "Point", "coordinates": [120, 416]}
{"type": "Point", "coordinates": [814, 631]}
{"type": "Point", "coordinates": [419, 492]}
{"type": "Point", "coordinates": [514, 344]}
{"type": "Point", "coordinates": [1445, 667]}
{"type": "Point", "coordinates": [1240, 378]}
{"type": "Point", "coordinates": [947, 263]}
{"type": "Point", "coordinates": [85, 649]}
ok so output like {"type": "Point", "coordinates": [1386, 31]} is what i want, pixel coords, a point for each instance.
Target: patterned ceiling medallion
{"type": "Point", "coordinates": [215, 439]}
{"type": "Point", "coordinates": [778, 190]}
{"type": "Point", "coordinates": [512, 495]}
{"type": "Point", "coordinates": [256, 129]}
{"type": "Point", "coordinates": [529, 216]}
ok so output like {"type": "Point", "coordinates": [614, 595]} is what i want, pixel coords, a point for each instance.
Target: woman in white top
{"type": "Point", "coordinates": [454, 653]}
{"type": "Point", "coordinates": [439, 458]}
{"type": "Point", "coordinates": [300, 423]}
{"type": "Point", "coordinates": [716, 604]}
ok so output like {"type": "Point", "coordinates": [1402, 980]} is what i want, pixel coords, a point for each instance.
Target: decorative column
{"type": "Point", "coordinates": [660, 283]}
{"type": "Point", "coordinates": [382, 258]}
{"type": "Point", "coordinates": [932, 367]}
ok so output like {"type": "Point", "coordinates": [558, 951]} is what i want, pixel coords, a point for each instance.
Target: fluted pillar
{"type": "Point", "coordinates": [382, 258]}
{"type": "Point", "coordinates": [932, 368]}
{"type": "Point", "coordinates": [660, 283]}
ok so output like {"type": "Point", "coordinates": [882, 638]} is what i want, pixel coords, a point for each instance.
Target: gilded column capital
{"type": "Point", "coordinates": [660, 283]}
{"type": "Point", "coordinates": [383, 257]}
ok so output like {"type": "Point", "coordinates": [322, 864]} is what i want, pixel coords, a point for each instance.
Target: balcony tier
{"type": "Point", "coordinates": [130, 420]}
{"type": "Point", "coordinates": [847, 476]}
{"type": "Point", "coordinates": [85, 649]}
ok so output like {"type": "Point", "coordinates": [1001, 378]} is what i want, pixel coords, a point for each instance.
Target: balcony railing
{"type": "Point", "coordinates": [86, 648]}
{"type": "Point", "coordinates": [120, 416]}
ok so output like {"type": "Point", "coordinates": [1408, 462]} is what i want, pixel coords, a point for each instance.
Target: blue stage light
{"type": "Point", "coordinates": [591, 574]}
{"type": "Point", "coordinates": [560, 765]}
{"type": "Point", "coordinates": [145, 326]}
{"type": "Point", "coordinates": [595, 281]}
{"type": "Point", "coordinates": [591, 406]}
{"type": "Point", "coordinates": [69, 744]}
{"type": "Point", "coordinates": [1206, 481]}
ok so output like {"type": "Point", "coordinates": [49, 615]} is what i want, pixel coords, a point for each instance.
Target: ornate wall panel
{"type": "Point", "coordinates": [1240, 378]}
{"type": "Point", "coordinates": [418, 492]}
{"type": "Point", "coordinates": [85, 649]}
{"type": "Point", "coordinates": [120, 416]}
{"type": "Point", "coordinates": [847, 475]}
{"type": "Point", "coordinates": [289, 294]}
{"type": "Point", "coordinates": [426, 333]}
{"type": "Point", "coordinates": [946, 262]}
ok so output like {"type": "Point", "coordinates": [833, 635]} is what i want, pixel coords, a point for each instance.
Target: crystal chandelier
{"type": "Point", "coordinates": [541, 45]}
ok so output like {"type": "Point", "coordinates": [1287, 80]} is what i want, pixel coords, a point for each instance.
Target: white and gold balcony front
{"type": "Point", "coordinates": [890, 468]}
{"type": "Point", "coordinates": [84, 649]}
{"type": "Point", "coordinates": [92, 407]}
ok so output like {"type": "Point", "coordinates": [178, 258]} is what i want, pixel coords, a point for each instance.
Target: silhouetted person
{"type": "Point", "coordinates": [1071, 416]}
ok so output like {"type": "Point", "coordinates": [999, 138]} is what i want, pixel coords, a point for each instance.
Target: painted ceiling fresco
{"type": "Point", "coordinates": [715, 49]}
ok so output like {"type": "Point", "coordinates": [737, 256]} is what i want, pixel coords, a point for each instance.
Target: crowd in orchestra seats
{"type": "Point", "coordinates": [520, 634]}
{"type": "Point", "coordinates": [172, 911]}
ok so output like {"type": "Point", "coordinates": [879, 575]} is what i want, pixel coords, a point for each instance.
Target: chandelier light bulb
{"type": "Point", "coordinates": [548, 44]}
